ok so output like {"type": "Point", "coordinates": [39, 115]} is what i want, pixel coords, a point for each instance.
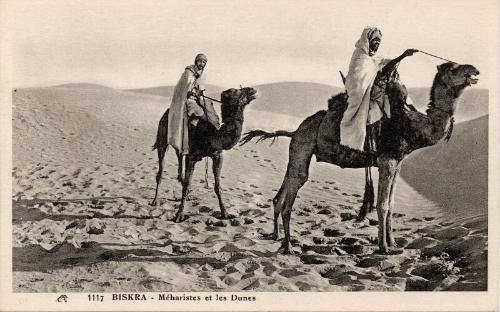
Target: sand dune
{"type": "Point", "coordinates": [168, 91]}
{"type": "Point", "coordinates": [471, 105]}
{"type": "Point", "coordinates": [460, 166]}
{"type": "Point", "coordinates": [298, 99]}
{"type": "Point", "coordinates": [83, 178]}
{"type": "Point", "coordinates": [302, 99]}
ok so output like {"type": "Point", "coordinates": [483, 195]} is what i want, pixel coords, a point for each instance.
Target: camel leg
{"type": "Point", "coordinates": [296, 176]}
{"type": "Point", "coordinates": [290, 193]}
{"type": "Point", "coordinates": [390, 238]}
{"type": "Point", "coordinates": [217, 168]}
{"type": "Point", "coordinates": [387, 169]}
{"type": "Point", "coordinates": [190, 163]}
{"type": "Point", "coordinates": [161, 156]}
{"type": "Point", "coordinates": [277, 204]}
{"type": "Point", "coordinates": [179, 167]}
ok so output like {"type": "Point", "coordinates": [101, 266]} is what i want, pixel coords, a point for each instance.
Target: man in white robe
{"type": "Point", "coordinates": [185, 107]}
{"type": "Point", "coordinates": [363, 69]}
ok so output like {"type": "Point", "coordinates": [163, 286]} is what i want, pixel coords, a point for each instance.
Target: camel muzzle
{"type": "Point", "coordinates": [471, 78]}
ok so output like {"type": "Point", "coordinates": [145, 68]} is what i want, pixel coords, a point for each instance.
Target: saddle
{"type": "Point", "coordinates": [394, 121]}
{"type": "Point", "coordinates": [199, 109]}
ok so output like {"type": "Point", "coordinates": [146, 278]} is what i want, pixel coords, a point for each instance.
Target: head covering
{"type": "Point", "coordinates": [374, 33]}
{"type": "Point", "coordinates": [369, 33]}
{"type": "Point", "coordinates": [200, 56]}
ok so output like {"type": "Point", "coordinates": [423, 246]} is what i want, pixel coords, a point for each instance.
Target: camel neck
{"type": "Point", "coordinates": [443, 97]}
{"type": "Point", "coordinates": [230, 132]}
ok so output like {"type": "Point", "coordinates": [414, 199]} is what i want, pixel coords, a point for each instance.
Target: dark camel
{"type": "Point", "coordinates": [206, 141]}
{"type": "Point", "coordinates": [395, 138]}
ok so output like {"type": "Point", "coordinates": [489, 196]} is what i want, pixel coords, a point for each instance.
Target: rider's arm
{"type": "Point", "coordinates": [390, 66]}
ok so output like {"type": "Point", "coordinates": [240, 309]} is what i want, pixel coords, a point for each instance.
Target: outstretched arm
{"type": "Point", "coordinates": [390, 66]}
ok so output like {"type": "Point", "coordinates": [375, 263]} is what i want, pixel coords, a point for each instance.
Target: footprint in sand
{"type": "Point", "coordinates": [257, 213]}
{"type": "Point", "coordinates": [248, 221]}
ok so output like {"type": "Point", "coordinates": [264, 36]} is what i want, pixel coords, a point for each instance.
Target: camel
{"type": "Point", "coordinates": [395, 138]}
{"type": "Point", "coordinates": [206, 141]}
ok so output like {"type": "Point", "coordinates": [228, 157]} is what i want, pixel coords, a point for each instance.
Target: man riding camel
{"type": "Point", "coordinates": [366, 103]}
{"type": "Point", "coordinates": [188, 106]}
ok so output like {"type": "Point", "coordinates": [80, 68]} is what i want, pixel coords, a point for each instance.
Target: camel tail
{"type": "Point", "coordinates": [161, 134]}
{"type": "Point", "coordinates": [263, 135]}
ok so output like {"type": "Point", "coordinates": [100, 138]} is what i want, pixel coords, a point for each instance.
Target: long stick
{"type": "Point", "coordinates": [442, 58]}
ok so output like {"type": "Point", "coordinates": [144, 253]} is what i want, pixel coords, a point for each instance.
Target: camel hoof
{"type": "Point", "coordinates": [270, 236]}
{"type": "Point", "coordinates": [383, 250]}
{"type": "Point", "coordinates": [223, 215]}
{"type": "Point", "coordinates": [286, 249]}
{"type": "Point", "coordinates": [392, 243]}
{"type": "Point", "coordinates": [154, 203]}
{"type": "Point", "coordinates": [179, 218]}
{"type": "Point", "coordinates": [360, 218]}
{"type": "Point", "coordinates": [395, 251]}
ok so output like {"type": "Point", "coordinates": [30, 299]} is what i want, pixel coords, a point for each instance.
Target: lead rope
{"type": "Point", "coordinates": [441, 58]}
{"type": "Point", "coordinates": [452, 122]}
{"type": "Point", "coordinates": [450, 130]}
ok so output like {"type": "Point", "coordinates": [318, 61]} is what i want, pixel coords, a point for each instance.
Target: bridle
{"type": "Point", "coordinates": [212, 99]}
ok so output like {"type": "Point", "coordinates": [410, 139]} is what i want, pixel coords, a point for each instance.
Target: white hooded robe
{"type": "Point", "coordinates": [359, 81]}
{"type": "Point", "coordinates": [177, 134]}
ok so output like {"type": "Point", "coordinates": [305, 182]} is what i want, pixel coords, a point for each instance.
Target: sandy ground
{"type": "Point", "coordinates": [83, 178]}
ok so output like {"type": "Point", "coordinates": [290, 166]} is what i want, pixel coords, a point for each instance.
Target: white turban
{"type": "Point", "coordinates": [200, 56]}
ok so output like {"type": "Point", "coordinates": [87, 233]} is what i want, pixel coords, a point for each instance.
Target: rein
{"type": "Point", "coordinates": [207, 97]}
{"type": "Point", "coordinates": [438, 57]}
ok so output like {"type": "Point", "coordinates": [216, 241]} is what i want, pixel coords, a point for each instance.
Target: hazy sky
{"type": "Point", "coordinates": [148, 43]}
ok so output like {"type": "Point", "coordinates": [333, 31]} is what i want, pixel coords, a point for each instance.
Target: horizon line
{"type": "Point", "coordinates": [173, 85]}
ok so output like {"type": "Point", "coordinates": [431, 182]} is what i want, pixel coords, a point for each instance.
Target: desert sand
{"type": "Point", "coordinates": [84, 175]}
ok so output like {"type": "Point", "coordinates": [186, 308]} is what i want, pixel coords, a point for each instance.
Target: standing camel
{"type": "Point", "coordinates": [395, 138]}
{"type": "Point", "coordinates": [206, 141]}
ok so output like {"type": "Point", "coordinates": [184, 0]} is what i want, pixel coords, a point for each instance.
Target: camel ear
{"type": "Point", "coordinates": [447, 66]}
{"type": "Point", "coordinates": [443, 67]}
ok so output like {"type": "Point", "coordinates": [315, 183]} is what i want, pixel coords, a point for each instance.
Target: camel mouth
{"type": "Point", "coordinates": [252, 95]}
{"type": "Point", "coordinates": [471, 75]}
{"type": "Point", "coordinates": [471, 78]}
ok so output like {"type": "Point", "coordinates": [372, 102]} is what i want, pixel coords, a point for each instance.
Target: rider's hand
{"type": "Point", "coordinates": [409, 52]}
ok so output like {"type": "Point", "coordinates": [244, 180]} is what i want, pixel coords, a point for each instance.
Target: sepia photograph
{"type": "Point", "coordinates": [249, 155]}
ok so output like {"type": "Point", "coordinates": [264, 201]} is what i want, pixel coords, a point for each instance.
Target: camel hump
{"type": "Point", "coordinates": [338, 102]}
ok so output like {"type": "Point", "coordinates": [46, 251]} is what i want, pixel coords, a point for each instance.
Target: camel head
{"type": "Point", "coordinates": [238, 97]}
{"type": "Point", "coordinates": [457, 76]}
{"type": "Point", "coordinates": [235, 100]}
